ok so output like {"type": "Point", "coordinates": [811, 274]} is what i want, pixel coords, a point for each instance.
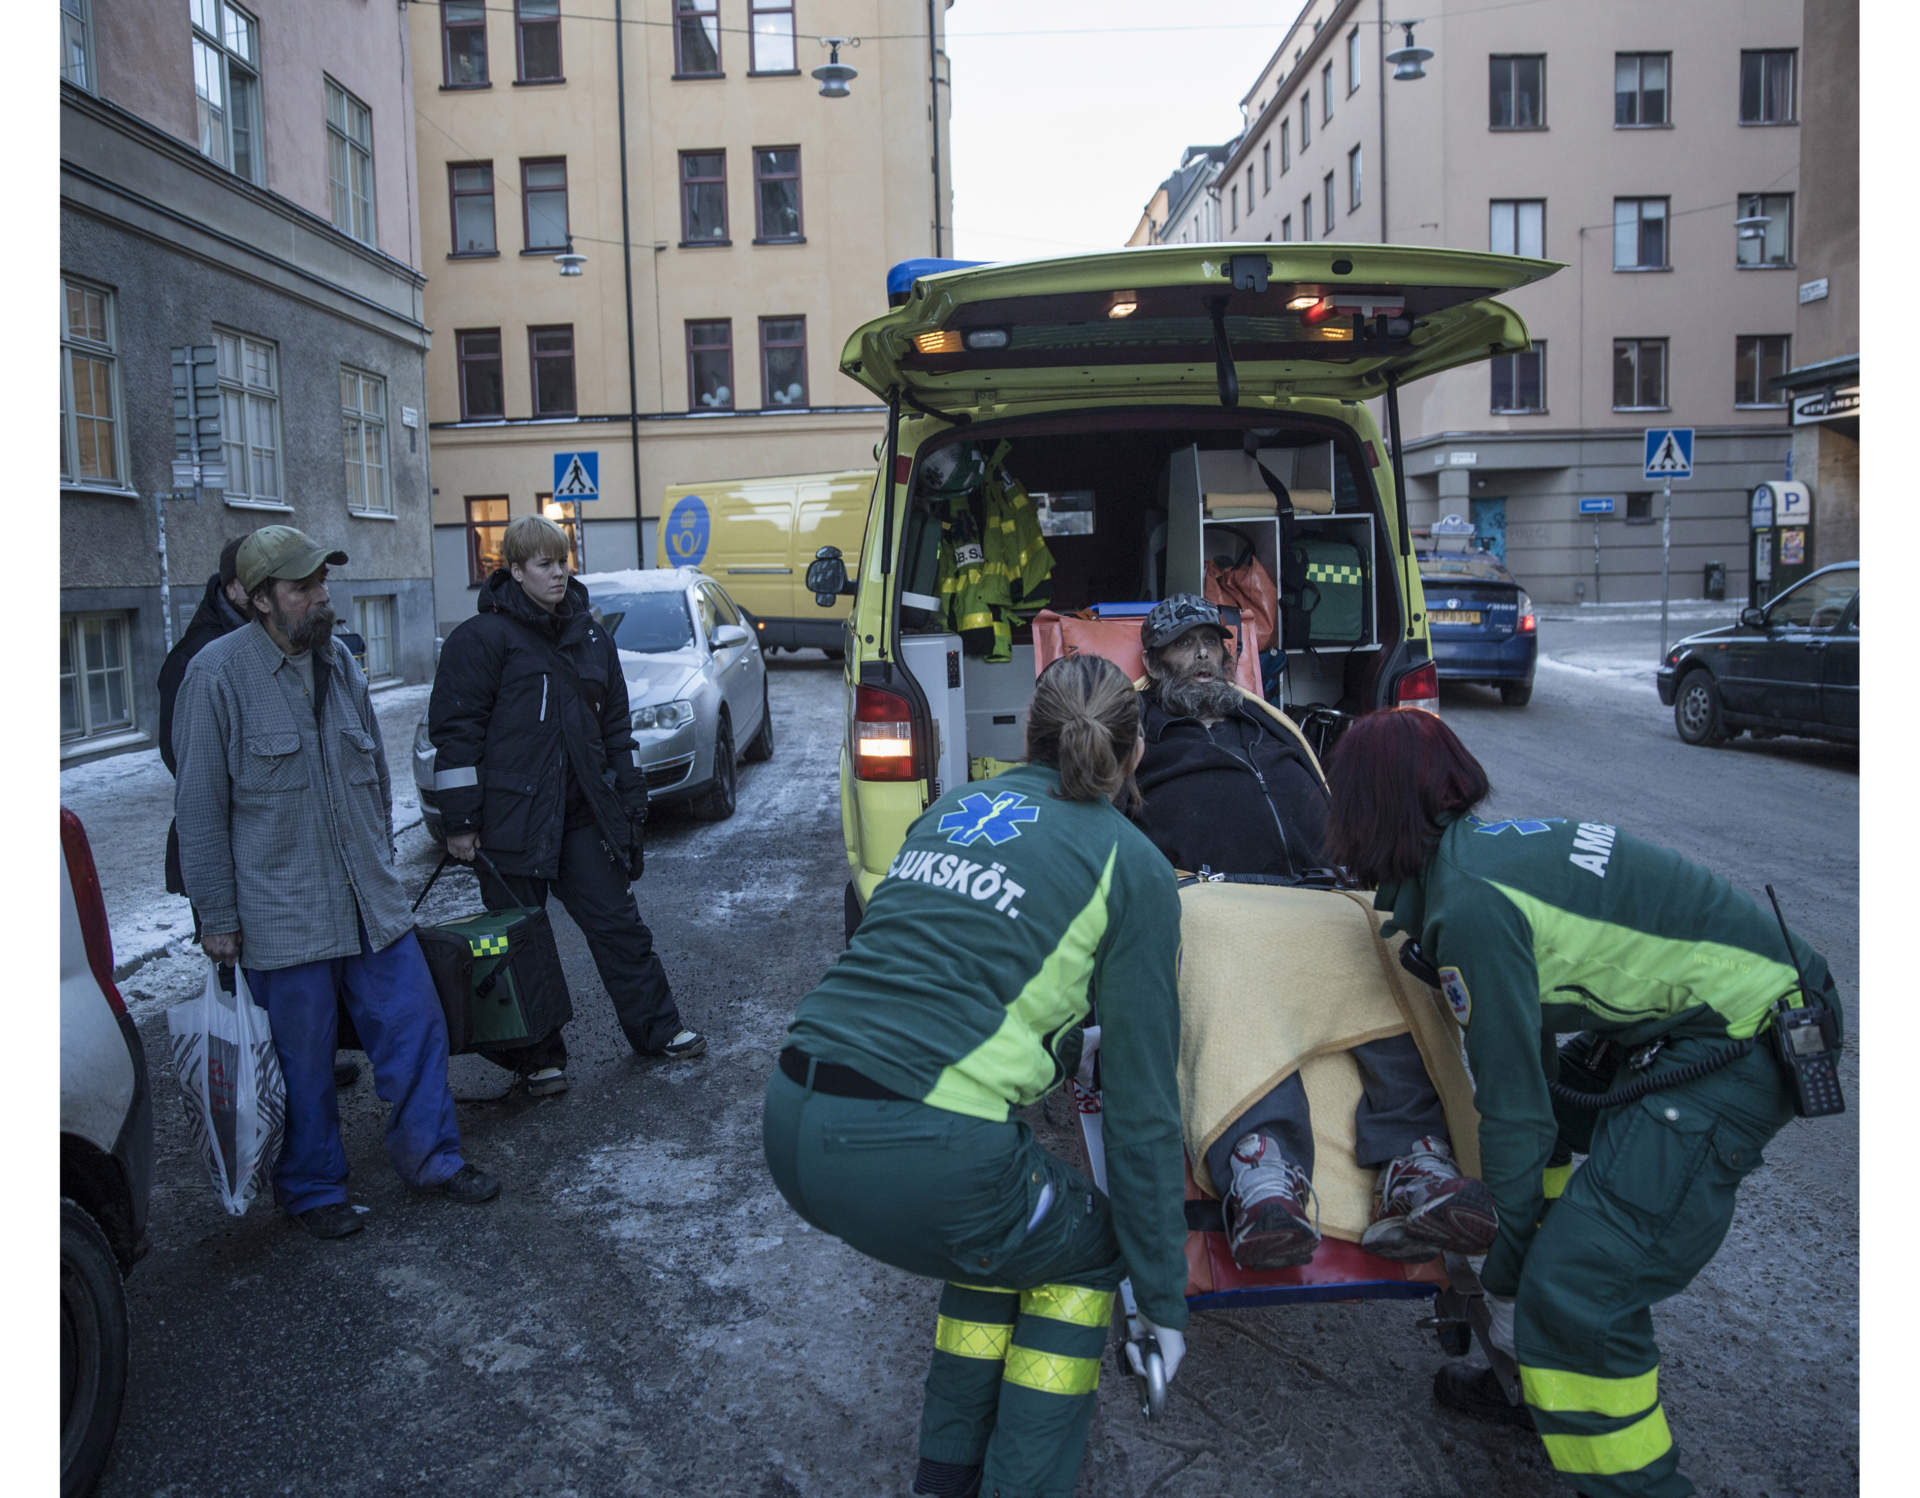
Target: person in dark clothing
{"type": "Point", "coordinates": [534, 765]}
{"type": "Point", "coordinates": [1230, 789]}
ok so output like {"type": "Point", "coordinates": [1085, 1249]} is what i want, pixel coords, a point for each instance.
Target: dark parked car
{"type": "Point", "coordinates": [1791, 667]}
{"type": "Point", "coordinates": [1481, 622]}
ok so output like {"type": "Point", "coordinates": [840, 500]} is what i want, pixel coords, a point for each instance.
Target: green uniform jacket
{"type": "Point", "coordinates": [1546, 927]}
{"type": "Point", "coordinates": [1007, 913]}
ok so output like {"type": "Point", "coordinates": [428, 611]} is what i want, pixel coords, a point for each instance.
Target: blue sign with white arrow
{"type": "Point", "coordinates": [576, 476]}
{"type": "Point", "coordinates": [1601, 506]}
{"type": "Point", "coordinates": [1669, 452]}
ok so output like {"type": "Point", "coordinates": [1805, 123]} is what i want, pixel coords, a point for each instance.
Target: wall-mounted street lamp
{"type": "Point", "coordinates": [1407, 60]}
{"type": "Point", "coordinates": [1754, 226]}
{"type": "Point", "coordinates": [835, 75]}
{"type": "Point", "coordinates": [569, 260]}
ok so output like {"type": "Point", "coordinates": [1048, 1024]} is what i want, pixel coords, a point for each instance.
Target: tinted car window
{"type": "Point", "coordinates": [705, 605]}
{"type": "Point", "coordinates": [722, 605]}
{"type": "Point", "coordinates": [1819, 602]}
{"type": "Point", "coordinates": [649, 621]}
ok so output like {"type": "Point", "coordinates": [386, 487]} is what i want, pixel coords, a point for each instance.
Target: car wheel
{"type": "Point", "coordinates": [761, 748]}
{"type": "Point", "coordinates": [93, 1349]}
{"type": "Point", "coordinates": [716, 803]}
{"type": "Point", "coordinates": [833, 652]}
{"type": "Point", "coordinates": [1516, 693]}
{"type": "Point", "coordinates": [1696, 709]}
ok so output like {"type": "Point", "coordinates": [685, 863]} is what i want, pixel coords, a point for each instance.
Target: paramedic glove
{"type": "Point", "coordinates": [1500, 1322]}
{"type": "Point", "coordinates": [1173, 1349]}
{"type": "Point", "coordinates": [1089, 1048]}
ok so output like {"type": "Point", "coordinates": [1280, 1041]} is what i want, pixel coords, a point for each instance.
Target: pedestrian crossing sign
{"type": "Point", "coordinates": [1669, 452]}
{"type": "Point", "coordinates": [576, 476]}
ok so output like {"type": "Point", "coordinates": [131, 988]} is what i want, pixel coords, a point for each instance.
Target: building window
{"type": "Point", "coordinates": [1353, 59]}
{"type": "Point", "coordinates": [710, 365]}
{"type": "Point", "coordinates": [89, 387]}
{"type": "Point", "coordinates": [538, 42]}
{"type": "Point", "coordinates": [1757, 360]}
{"type": "Point", "coordinates": [783, 361]}
{"type": "Point", "coordinates": [1306, 119]}
{"type": "Point", "coordinates": [696, 38]}
{"type": "Point", "coordinates": [564, 513]}
{"type": "Point", "coordinates": [1640, 234]}
{"type": "Point", "coordinates": [1326, 93]}
{"type": "Point", "coordinates": [226, 87]}
{"type": "Point", "coordinates": [249, 375]}
{"type": "Point", "coordinates": [470, 186]}
{"type": "Point", "coordinates": [1640, 508]}
{"type": "Point", "coordinates": [543, 203]}
{"type": "Point", "coordinates": [1249, 189]}
{"type": "Point", "coordinates": [1769, 243]}
{"type": "Point", "coordinates": [486, 529]}
{"type": "Point", "coordinates": [776, 192]}
{"type": "Point", "coordinates": [1353, 179]}
{"type": "Point", "coordinates": [1640, 88]}
{"type": "Point", "coordinates": [703, 197]}
{"type": "Point", "coordinates": [771, 23]}
{"type": "Point", "coordinates": [1326, 204]}
{"type": "Point", "coordinates": [1517, 97]}
{"type": "Point", "coordinates": [1517, 226]}
{"type": "Point", "coordinates": [373, 622]}
{"type": "Point", "coordinates": [76, 43]}
{"type": "Point", "coordinates": [1233, 197]}
{"type": "Point", "coordinates": [1286, 146]}
{"type": "Point", "coordinates": [1766, 88]}
{"type": "Point", "coordinates": [363, 417]}
{"type": "Point", "coordinates": [482, 380]}
{"type": "Point", "coordinates": [1306, 217]}
{"type": "Point", "coordinates": [463, 43]}
{"type": "Point", "coordinates": [96, 676]}
{"type": "Point", "coordinates": [350, 163]}
{"type": "Point", "coordinates": [1520, 382]}
{"type": "Point", "coordinates": [1286, 227]}
{"type": "Point", "coordinates": [1639, 374]}
{"type": "Point", "coordinates": [550, 351]}
{"type": "Point", "coordinates": [1266, 167]}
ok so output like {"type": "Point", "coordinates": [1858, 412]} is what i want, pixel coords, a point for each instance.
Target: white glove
{"type": "Point", "coordinates": [1500, 1322]}
{"type": "Point", "coordinates": [1089, 1048]}
{"type": "Point", "coordinates": [1173, 1348]}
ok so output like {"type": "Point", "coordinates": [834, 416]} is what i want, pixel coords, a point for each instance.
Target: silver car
{"type": "Point", "coordinates": [696, 688]}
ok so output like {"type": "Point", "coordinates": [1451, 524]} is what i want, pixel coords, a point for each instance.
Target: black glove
{"type": "Point", "coordinates": [636, 846]}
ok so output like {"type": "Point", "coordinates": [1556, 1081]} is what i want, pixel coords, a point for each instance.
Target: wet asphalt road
{"type": "Point", "coordinates": [640, 1314]}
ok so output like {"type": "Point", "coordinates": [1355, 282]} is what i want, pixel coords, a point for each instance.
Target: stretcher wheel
{"type": "Point", "coordinates": [1155, 1379]}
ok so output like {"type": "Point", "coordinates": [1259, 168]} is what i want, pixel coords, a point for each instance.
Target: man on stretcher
{"type": "Point", "coordinates": [1227, 786]}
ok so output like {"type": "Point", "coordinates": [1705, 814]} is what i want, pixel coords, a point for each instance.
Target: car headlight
{"type": "Point", "coordinates": [422, 740]}
{"type": "Point", "coordinates": [663, 715]}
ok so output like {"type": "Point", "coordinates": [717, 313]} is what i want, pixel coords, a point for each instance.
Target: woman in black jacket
{"type": "Point", "coordinates": [534, 763]}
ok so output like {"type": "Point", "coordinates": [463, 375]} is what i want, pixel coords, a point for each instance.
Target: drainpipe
{"type": "Point", "coordinates": [933, 74]}
{"type": "Point", "coordinates": [626, 268]}
{"type": "Point", "coordinates": [1380, 57]}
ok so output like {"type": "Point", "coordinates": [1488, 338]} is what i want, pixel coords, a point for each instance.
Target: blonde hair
{"type": "Point", "coordinates": [532, 536]}
{"type": "Point", "coordinates": [1084, 721]}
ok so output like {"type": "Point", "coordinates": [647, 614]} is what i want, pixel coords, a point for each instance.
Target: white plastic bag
{"type": "Point", "coordinates": [230, 1082]}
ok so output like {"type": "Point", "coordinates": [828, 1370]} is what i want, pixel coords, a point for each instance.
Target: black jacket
{"type": "Point", "coordinates": [214, 618]}
{"type": "Point", "coordinates": [525, 706]}
{"type": "Point", "coordinates": [1239, 798]}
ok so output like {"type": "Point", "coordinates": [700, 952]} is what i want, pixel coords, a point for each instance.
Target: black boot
{"type": "Point", "coordinates": [947, 1479]}
{"type": "Point", "coordinates": [1477, 1392]}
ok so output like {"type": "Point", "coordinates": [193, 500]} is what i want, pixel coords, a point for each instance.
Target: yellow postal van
{"type": "Point", "coordinates": [756, 536]}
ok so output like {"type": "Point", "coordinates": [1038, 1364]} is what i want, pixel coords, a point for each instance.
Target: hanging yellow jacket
{"type": "Point", "coordinates": [996, 570]}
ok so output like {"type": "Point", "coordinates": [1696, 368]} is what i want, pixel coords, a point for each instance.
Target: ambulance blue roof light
{"type": "Point", "coordinates": [900, 279]}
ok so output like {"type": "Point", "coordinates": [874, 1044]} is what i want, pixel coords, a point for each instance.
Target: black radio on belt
{"type": "Point", "coordinates": [1807, 1041]}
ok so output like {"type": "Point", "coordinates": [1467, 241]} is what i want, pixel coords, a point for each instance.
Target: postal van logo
{"type": "Point", "coordinates": [1455, 988]}
{"type": "Point", "coordinates": [995, 818]}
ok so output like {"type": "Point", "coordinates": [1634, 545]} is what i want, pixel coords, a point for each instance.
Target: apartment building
{"type": "Point", "coordinates": [735, 226]}
{"type": "Point", "coordinates": [1653, 149]}
{"type": "Point", "coordinates": [1184, 209]}
{"type": "Point", "coordinates": [242, 331]}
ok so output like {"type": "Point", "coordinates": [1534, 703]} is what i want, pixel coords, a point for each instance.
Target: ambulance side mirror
{"type": "Point", "coordinates": [827, 576]}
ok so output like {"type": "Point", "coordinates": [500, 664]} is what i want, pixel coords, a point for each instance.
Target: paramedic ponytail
{"type": "Point", "coordinates": [1084, 721]}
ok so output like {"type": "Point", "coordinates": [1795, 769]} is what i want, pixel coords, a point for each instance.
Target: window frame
{"type": "Point", "coordinates": [535, 358]}
{"type": "Point", "coordinates": [1512, 363]}
{"type": "Point", "coordinates": [455, 193]}
{"type": "Point", "coordinates": [732, 388]}
{"type": "Point", "coordinates": [1759, 201]}
{"type": "Point", "coordinates": [1642, 501]}
{"type": "Point", "coordinates": [366, 417]}
{"type": "Point", "coordinates": [1306, 119]}
{"type": "Point", "coordinates": [365, 607]}
{"type": "Point", "coordinates": [215, 42]}
{"type": "Point", "coordinates": [355, 153]}
{"type": "Point", "coordinates": [757, 9]}
{"type": "Point", "coordinates": [725, 236]}
{"type": "Point", "coordinates": [1233, 198]}
{"type": "Point", "coordinates": [1286, 228]}
{"type": "Point", "coordinates": [1326, 205]}
{"type": "Point", "coordinates": [1517, 205]}
{"type": "Point", "coordinates": [447, 27]}
{"type": "Point", "coordinates": [1354, 184]}
{"type": "Point", "coordinates": [77, 16]}
{"type": "Point", "coordinates": [570, 519]}
{"type": "Point", "coordinates": [698, 10]}
{"type": "Point", "coordinates": [527, 190]}
{"type": "Point", "coordinates": [521, 25]}
{"type": "Point", "coordinates": [462, 360]}
{"type": "Point", "coordinates": [477, 572]}
{"type": "Point", "coordinates": [1640, 91]}
{"type": "Point", "coordinates": [247, 393]}
{"type": "Point", "coordinates": [1640, 345]}
{"type": "Point", "coordinates": [760, 235]}
{"type": "Point", "coordinates": [1286, 145]}
{"type": "Point", "coordinates": [1512, 60]}
{"type": "Point", "coordinates": [1306, 219]}
{"type": "Point", "coordinates": [106, 351]}
{"type": "Point", "coordinates": [72, 634]}
{"type": "Point", "coordinates": [1326, 93]}
{"type": "Point", "coordinates": [767, 346]}
{"type": "Point", "coordinates": [1353, 62]}
{"type": "Point", "coordinates": [1266, 167]}
{"type": "Point", "coordinates": [1792, 54]}
{"type": "Point", "coordinates": [1761, 399]}
{"type": "Point", "coordinates": [1640, 223]}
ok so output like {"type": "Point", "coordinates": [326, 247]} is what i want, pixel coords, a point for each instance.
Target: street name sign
{"type": "Point", "coordinates": [1669, 452]}
{"type": "Point", "coordinates": [576, 476]}
{"type": "Point", "coordinates": [1601, 506]}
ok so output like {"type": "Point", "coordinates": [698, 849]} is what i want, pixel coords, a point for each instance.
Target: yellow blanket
{"type": "Point", "coordinates": [1276, 980]}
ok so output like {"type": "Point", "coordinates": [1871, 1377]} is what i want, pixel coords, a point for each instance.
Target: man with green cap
{"type": "Point", "coordinates": [284, 807]}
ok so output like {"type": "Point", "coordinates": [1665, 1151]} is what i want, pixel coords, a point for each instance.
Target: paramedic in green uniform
{"type": "Point", "coordinates": [1013, 906]}
{"type": "Point", "coordinates": [1550, 926]}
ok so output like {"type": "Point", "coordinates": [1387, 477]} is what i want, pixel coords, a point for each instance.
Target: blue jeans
{"type": "Point", "coordinates": [390, 996]}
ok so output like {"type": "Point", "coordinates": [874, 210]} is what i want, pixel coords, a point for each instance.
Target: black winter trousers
{"type": "Point", "coordinates": [600, 899]}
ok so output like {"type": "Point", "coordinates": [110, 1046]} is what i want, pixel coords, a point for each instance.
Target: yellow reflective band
{"type": "Point", "coordinates": [976, 621]}
{"type": "Point", "coordinates": [486, 946]}
{"type": "Point", "coordinates": [959, 1284]}
{"type": "Point", "coordinates": [986, 1340]}
{"type": "Point", "coordinates": [1562, 1393]}
{"type": "Point", "coordinates": [1332, 572]}
{"type": "Point", "coordinates": [1641, 1443]}
{"type": "Point", "coordinates": [1049, 1373]}
{"type": "Point", "coordinates": [1074, 1304]}
{"type": "Point", "coordinates": [1553, 1181]}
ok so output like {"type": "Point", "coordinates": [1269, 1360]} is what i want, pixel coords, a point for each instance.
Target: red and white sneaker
{"type": "Point", "coordinates": [1266, 1208]}
{"type": "Point", "coordinates": [1424, 1207]}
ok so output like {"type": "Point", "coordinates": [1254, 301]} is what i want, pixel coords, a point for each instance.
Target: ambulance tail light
{"type": "Point", "coordinates": [1419, 688]}
{"type": "Point", "coordinates": [882, 736]}
{"type": "Point", "coordinates": [91, 906]}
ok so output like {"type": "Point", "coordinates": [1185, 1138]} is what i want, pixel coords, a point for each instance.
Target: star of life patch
{"type": "Point", "coordinates": [1455, 988]}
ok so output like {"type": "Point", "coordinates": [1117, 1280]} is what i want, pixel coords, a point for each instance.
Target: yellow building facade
{"type": "Point", "coordinates": [747, 231]}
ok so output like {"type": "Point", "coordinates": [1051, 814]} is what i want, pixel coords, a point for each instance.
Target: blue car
{"type": "Point", "coordinates": [1481, 622]}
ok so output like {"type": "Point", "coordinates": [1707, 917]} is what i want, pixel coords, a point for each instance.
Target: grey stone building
{"type": "Point", "coordinates": [237, 181]}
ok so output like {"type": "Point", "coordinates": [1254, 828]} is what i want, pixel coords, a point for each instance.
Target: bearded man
{"type": "Point", "coordinates": [284, 808]}
{"type": "Point", "coordinates": [1228, 789]}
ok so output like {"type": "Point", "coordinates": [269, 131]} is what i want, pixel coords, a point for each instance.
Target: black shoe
{"type": "Point", "coordinates": [683, 1047]}
{"type": "Point", "coordinates": [470, 1185]}
{"type": "Point", "coordinates": [948, 1479]}
{"type": "Point", "coordinates": [345, 1073]}
{"type": "Point", "coordinates": [334, 1220]}
{"type": "Point", "coordinates": [1477, 1392]}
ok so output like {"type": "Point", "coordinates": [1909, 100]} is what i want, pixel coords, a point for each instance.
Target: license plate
{"type": "Point", "coordinates": [1454, 616]}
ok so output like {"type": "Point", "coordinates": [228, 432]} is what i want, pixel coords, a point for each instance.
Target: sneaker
{"type": "Point", "coordinates": [469, 1185]}
{"type": "Point", "coordinates": [1266, 1208]}
{"type": "Point", "coordinates": [334, 1220]}
{"type": "Point", "coordinates": [1423, 1207]}
{"type": "Point", "coordinates": [546, 1081]}
{"type": "Point", "coordinates": [1477, 1392]}
{"type": "Point", "coordinates": [684, 1046]}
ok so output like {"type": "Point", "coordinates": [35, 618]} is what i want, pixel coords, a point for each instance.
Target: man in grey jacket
{"type": "Point", "coordinates": [284, 807]}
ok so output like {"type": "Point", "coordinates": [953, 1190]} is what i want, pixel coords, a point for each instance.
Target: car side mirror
{"type": "Point", "coordinates": [827, 576]}
{"type": "Point", "coordinates": [729, 635]}
{"type": "Point", "coordinates": [1753, 618]}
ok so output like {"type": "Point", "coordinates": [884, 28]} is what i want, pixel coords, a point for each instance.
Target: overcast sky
{"type": "Point", "coordinates": [1059, 139]}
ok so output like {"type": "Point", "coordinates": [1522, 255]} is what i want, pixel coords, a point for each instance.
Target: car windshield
{"type": "Point", "coordinates": [1817, 603]}
{"type": "Point", "coordinates": [648, 622]}
{"type": "Point", "coordinates": [1455, 564]}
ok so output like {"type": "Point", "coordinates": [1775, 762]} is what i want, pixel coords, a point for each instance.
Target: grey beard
{"type": "Point", "coordinates": [1183, 698]}
{"type": "Point", "coordinates": [315, 629]}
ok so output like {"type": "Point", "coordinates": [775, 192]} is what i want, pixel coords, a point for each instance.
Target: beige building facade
{"type": "Point", "coordinates": [1652, 148]}
{"type": "Point", "coordinates": [744, 230]}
